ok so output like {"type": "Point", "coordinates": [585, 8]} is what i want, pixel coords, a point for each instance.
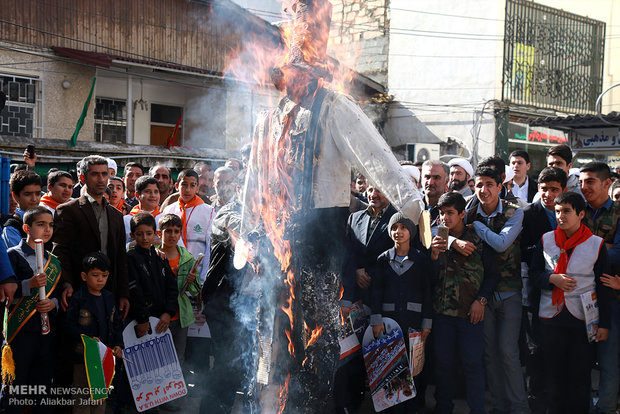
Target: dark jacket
{"type": "Point", "coordinates": [363, 250]}
{"type": "Point", "coordinates": [535, 224]}
{"type": "Point", "coordinates": [152, 285]}
{"type": "Point", "coordinates": [81, 318]}
{"type": "Point", "coordinates": [532, 189]}
{"type": "Point", "coordinates": [406, 298]}
{"type": "Point", "coordinates": [76, 234]}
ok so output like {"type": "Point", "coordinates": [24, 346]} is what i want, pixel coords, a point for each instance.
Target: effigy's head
{"type": "Point", "coordinates": [307, 58]}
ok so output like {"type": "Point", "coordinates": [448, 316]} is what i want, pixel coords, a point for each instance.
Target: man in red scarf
{"type": "Point", "coordinates": [567, 266]}
{"type": "Point", "coordinates": [59, 189]}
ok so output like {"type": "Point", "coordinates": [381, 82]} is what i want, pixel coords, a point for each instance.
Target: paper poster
{"type": "Point", "coordinates": [200, 328]}
{"type": "Point", "coordinates": [351, 332]}
{"type": "Point", "coordinates": [387, 367]}
{"type": "Point", "coordinates": [590, 311]}
{"type": "Point", "coordinates": [416, 352]}
{"type": "Point", "coordinates": [152, 367]}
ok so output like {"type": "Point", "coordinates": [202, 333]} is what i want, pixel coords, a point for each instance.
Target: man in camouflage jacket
{"type": "Point", "coordinates": [463, 286]}
{"type": "Point", "coordinates": [602, 215]}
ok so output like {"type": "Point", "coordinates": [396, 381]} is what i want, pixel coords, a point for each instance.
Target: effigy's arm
{"type": "Point", "coordinates": [360, 144]}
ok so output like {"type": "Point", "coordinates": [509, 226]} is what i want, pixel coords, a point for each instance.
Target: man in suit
{"type": "Point", "coordinates": [90, 224]}
{"type": "Point", "coordinates": [367, 238]}
{"type": "Point", "coordinates": [523, 186]}
{"type": "Point", "coordinates": [538, 219]}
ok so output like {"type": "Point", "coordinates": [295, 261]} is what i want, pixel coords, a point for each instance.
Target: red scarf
{"type": "Point", "coordinates": [196, 201]}
{"type": "Point", "coordinates": [120, 205]}
{"type": "Point", "coordinates": [583, 234]}
{"type": "Point", "coordinates": [137, 210]}
{"type": "Point", "coordinates": [49, 201]}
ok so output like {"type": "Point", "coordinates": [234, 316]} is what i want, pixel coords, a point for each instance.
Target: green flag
{"type": "Point", "coordinates": [80, 121]}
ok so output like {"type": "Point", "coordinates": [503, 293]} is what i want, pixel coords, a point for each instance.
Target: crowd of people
{"type": "Point", "coordinates": [499, 293]}
{"type": "Point", "coordinates": [502, 292]}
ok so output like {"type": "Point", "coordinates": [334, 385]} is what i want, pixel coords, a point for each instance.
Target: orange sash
{"type": "Point", "coordinates": [196, 201]}
{"type": "Point", "coordinates": [49, 201]}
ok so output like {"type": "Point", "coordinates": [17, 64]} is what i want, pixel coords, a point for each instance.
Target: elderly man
{"type": "Point", "coordinates": [225, 185]}
{"type": "Point", "coordinates": [164, 182]}
{"type": "Point", "coordinates": [435, 176]}
{"type": "Point", "coordinates": [461, 172]}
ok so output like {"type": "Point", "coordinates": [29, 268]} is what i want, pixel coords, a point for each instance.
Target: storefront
{"type": "Point", "coordinates": [536, 140]}
{"type": "Point", "coordinates": [591, 138]}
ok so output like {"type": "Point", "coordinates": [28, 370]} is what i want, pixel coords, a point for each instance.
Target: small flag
{"type": "Point", "coordinates": [173, 135]}
{"type": "Point", "coordinates": [99, 362]}
{"type": "Point", "coordinates": [80, 121]}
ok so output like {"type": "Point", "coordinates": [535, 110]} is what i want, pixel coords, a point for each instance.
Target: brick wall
{"type": "Point", "coordinates": [358, 36]}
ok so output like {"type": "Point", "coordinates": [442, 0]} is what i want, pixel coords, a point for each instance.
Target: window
{"type": "Point", "coordinates": [552, 59]}
{"type": "Point", "coordinates": [22, 114]}
{"type": "Point", "coordinates": [110, 120]}
{"type": "Point", "coordinates": [163, 121]}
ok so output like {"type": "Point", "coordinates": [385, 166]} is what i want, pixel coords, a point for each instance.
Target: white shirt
{"type": "Point", "coordinates": [521, 192]}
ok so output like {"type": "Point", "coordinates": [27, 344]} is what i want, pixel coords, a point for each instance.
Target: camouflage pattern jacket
{"type": "Point", "coordinates": [509, 261]}
{"type": "Point", "coordinates": [462, 279]}
{"type": "Point", "coordinates": [605, 227]}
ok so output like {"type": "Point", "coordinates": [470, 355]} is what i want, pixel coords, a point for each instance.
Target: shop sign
{"type": "Point", "coordinates": [596, 138]}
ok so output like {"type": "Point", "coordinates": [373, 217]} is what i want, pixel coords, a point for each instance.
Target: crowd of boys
{"type": "Point", "coordinates": [501, 285]}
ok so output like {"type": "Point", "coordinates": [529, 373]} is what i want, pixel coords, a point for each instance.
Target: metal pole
{"type": "Point", "coordinates": [129, 106]}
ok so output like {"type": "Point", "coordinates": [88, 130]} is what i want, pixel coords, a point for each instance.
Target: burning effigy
{"type": "Point", "coordinates": [294, 210]}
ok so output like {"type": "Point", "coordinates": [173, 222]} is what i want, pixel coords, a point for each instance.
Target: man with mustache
{"type": "Point", "coordinates": [435, 176]}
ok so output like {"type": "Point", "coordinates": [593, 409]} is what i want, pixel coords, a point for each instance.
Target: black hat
{"type": "Point", "coordinates": [399, 218]}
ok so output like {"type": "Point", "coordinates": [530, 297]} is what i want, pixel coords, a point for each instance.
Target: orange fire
{"type": "Point", "coordinates": [283, 394]}
{"type": "Point", "coordinates": [315, 335]}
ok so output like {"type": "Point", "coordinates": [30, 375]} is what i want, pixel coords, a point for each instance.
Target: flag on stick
{"type": "Point", "coordinates": [173, 135]}
{"type": "Point", "coordinates": [80, 121]}
{"type": "Point", "coordinates": [99, 362]}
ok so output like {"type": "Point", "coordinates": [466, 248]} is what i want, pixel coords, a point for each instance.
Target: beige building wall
{"type": "Point", "coordinates": [363, 23]}
{"type": "Point", "coordinates": [60, 107]}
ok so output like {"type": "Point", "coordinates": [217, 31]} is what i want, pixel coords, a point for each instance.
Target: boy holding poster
{"type": "Point", "coordinates": [568, 263]}
{"type": "Point", "coordinates": [401, 288]}
{"type": "Point", "coordinates": [33, 351]}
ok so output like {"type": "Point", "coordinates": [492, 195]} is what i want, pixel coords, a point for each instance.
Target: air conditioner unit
{"type": "Point", "coordinates": [422, 152]}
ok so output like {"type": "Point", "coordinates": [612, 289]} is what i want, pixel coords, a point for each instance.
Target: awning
{"type": "Point", "coordinates": [105, 60]}
{"type": "Point", "coordinates": [567, 123]}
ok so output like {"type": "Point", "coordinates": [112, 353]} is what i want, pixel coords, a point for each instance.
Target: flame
{"type": "Point", "coordinates": [315, 335]}
{"type": "Point", "coordinates": [283, 394]}
{"type": "Point", "coordinates": [265, 59]}
{"type": "Point", "coordinates": [341, 292]}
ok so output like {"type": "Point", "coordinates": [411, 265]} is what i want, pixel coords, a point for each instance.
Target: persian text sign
{"type": "Point", "coordinates": [596, 138]}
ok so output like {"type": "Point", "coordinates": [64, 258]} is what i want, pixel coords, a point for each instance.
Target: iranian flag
{"type": "Point", "coordinates": [99, 363]}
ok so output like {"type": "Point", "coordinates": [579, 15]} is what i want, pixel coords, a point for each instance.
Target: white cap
{"type": "Point", "coordinates": [112, 164]}
{"type": "Point", "coordinates": [464, 164]}
{"type": "Point", "coordinates": [510, 174]}
{"type": "Point", "coordinates": [413, 171]}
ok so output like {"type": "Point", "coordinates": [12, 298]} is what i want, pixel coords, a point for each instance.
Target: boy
{"type": "Point", "coordinates": [33, 352]}
{"type": "Point", "coordinates": [26, 191]}
{"type": "Point", "coordinates": [462, 289]}
{"type": "Point", "coordinates": [147, 194]}
{"type": "Point", "coordinates": [117, 193]}
{"type": "Point", "coordinates": [538, 219]}
{"type": "Point", "coordinates": [523, 187]}
{"type": "Point", "coordinates": [181, 262]}
{"type": "Point", "coordinates": [152, 285]}
{"type": "Point", "coordinates": [59, 189]}
{"type": "Point", "coordinates": [401, 289]}
{"type": "Point", "coordinates": [569, 262]}
{"type": "Point", "coordinates": [498, 223]}
{"type": "Point", "coordinates": [92, 312]}
{"type": "Point", "coordinates": [196, 217]}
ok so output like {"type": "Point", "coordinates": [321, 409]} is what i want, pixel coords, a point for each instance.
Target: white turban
{"type": "Point", "coordinates": [464, 164]}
